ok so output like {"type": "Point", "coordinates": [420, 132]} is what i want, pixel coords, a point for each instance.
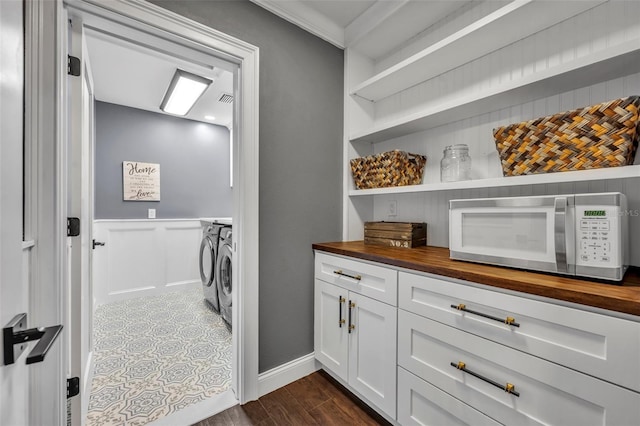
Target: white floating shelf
{"type": "Point", "coordinates": [515, 21]}
{"type": "Point", "coordinates": [389, 24]}
{"type": "Point", "coordinates": [610, 63]}
{"type": "Point", "coordinates": [560, 177]}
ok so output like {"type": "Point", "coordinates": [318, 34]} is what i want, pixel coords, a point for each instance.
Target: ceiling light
{"type": "Point", "coordinates": [209, 117]}
{"type": "Point", "coordinates": [183, 92]}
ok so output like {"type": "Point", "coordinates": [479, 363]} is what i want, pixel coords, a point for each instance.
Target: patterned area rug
{"type": "Point", "coordinates": [155, 356]}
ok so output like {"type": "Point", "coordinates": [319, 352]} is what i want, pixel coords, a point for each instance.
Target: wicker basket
{"type": "Point", "coordinates": [603, 135]}
{"type": "Point", "coordinates": [392, 168]}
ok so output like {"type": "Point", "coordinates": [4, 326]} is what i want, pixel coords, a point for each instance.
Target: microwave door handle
{"type": "Point", "coordinates": [560, 231]}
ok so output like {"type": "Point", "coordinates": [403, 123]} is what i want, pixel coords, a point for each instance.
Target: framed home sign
{"type": "Point", "coordinates": [140, 181]}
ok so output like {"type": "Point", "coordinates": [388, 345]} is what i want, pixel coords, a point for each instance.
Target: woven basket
{"type": "Point", "coordinates": [603, 135]}
{"type": "Point", "coordinates": [392, 168]}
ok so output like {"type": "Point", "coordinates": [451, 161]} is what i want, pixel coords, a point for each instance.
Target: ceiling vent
{"type": "Point", "coordinates": [225, 98]}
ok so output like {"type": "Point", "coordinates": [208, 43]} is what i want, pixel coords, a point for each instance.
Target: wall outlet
{"type": "Point", "coordinates": [152, 213]}
{"type": "Point", "coordinates": [392, 210]}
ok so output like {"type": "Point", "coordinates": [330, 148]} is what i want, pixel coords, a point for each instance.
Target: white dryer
{"type": "Point", "coordinates": [224, 275]}
{"type": "Point", "coordinates": [208, 257]}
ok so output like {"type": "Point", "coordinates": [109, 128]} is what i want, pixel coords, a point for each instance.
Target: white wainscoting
{"type": "Point", "coordinates": [144, 257]}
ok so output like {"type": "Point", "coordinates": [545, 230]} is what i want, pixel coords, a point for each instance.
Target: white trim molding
{"type": "Point", "coordinates": [159, 21]}
{"type": "Point", "coordinates": [306, 18]}
{"type": "Point", "coordinates": [287, 373]}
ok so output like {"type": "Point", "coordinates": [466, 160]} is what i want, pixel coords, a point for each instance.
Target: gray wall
{"type": "Point", "coordinates": [301, 118]}
{"type": "Point", "coordinates": [193, 158]}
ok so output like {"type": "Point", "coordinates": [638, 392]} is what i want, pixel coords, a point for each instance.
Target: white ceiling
{"type": "Point", "coordinates": [136, 76]}
{"type": "Point", "coordinates": [373, 27]}
{"type": "Point", "coordinates": [342, 12]}
{"type": "Point", "coordinates": [129, 71]}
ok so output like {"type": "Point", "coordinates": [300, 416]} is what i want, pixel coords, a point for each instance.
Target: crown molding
{"type": "Point", "coordinates": [298, 13]}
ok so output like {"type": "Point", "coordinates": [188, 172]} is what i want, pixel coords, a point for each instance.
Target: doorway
{"type": "Point", "coordinates": [175, 35]}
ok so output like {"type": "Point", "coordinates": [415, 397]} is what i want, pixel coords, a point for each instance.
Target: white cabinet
{"type": "Point", "coordinates": [355, 335]}
{"type": "Point", "coordinates": [453, 352]}
{"type": "Point", "coordinates": [584, 341]}
{"type": "Point", "coordinates": [547, 394]}
{"type": "Point", "coordinates": [567, 366]}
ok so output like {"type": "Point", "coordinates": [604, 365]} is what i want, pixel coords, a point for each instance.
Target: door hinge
{"type": "Point", "coordinates": [73, 387]}
{"type": "Point", "coordinates": [73, 227]}
{"type": "Point", "coordinates": [73, 66]}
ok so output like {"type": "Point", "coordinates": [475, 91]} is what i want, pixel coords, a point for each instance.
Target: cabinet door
{"type": "Point", "coordinates": [372, 351]}
{"type": "Point", "coordinates": [330, 334]}
{"type": "Point", "coordinates": [420, 403]}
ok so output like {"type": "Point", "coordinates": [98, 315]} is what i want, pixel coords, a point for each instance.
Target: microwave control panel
{"type": "Point", "coordinates": [595, 230]}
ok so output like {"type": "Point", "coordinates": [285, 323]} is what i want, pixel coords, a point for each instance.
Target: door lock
{"type": "Point", "coordinates": [97, 243]}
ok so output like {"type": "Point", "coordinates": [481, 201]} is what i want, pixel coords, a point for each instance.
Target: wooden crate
{"type": "Point", "coordinates": [395, 234]}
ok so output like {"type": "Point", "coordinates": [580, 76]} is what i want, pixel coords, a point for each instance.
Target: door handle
{"type": "Point", "coordinates": [351, 325]}
{"type": "Point", "coordinates": [15, 333]}
{"type": "Point", "coordinates": [559, 231]}
{"type": "Point", "coordinates": [353, 277]}
{"type": "Point", "coordinates": [97, 243]}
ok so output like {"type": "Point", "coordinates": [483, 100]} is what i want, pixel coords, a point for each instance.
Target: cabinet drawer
{"type": "Point", "coordinates": [420, 403]}
{"type": "Point", "coordinates": [585, 341]}
{"type": "Point", "coordinates": [373, 281]}
{"type": "Point", "coordinates": [549, 394]}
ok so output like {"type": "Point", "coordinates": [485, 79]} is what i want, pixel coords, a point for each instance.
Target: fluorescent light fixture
{"type": "Point", "coordinates": [209, 117]}
{"type": "Point", "coordinates": [183, 92]}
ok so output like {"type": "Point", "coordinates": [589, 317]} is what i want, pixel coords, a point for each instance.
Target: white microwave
{"type": "Point", "coordinates": [577, 234]}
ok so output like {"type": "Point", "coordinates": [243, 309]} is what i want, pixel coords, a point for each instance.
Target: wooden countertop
{"type": "Point", "coordinates": [435, 260]}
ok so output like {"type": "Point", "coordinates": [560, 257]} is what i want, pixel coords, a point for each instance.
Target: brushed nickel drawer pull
{"type": "Point", "coordinates": [508, 320]}
{"type": "Point", "coordinates": [341, 300]}
{"type": "Point", "coordinates": [508, 388]}
{"type": "Point", "coordinates": [355, 277]}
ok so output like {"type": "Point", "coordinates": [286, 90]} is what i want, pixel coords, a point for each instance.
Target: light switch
{"type": "Point", "coordinates": [152, 213]}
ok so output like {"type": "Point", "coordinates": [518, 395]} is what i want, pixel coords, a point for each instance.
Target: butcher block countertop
{"type": "Point", "coordinates": [435, 260]}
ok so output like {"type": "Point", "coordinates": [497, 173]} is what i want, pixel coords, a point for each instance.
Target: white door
{"type": "Point", "coordinates": [81, 145]}
{"type": "Point", "coordinates": [330, 324]}
{"type": "Point", "coordinates": [372, 351]}
{"type": "Point", "coordinates": [29, 281]}
{"type": "Point", "coordinates": [14, 296]}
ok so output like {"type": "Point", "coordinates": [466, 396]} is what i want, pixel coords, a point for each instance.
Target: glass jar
{"type": "Point", "coordinates": [455, 164]}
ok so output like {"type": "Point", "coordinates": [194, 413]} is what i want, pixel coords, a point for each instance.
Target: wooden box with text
{"type": "Point", "coordinates": [395, 234]}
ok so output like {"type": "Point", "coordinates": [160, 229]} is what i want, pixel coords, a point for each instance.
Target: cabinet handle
{"type": "Point", "coordinates": [507, 320]}
{"type": "Point", "coordinates": [351, 326]}
{"type": "Point", "coordinates": [508, 388]}
{"type": "Point", "coordinates": [355, 277]}
{"type": "Point", "coordinates": [341, 300]}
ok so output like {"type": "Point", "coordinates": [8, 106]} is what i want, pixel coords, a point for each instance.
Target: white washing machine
{"type": "Point", "coordinates": [224, 275]}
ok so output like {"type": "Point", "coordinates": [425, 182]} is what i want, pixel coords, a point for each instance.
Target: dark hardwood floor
{"type": "Point", "coordinates": [313, 400]}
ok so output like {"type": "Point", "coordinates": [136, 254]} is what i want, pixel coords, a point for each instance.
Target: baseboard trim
{"type": "Point", "coordinates": [286, 373]}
